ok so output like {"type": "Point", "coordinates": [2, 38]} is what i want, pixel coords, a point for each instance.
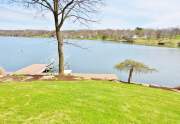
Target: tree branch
{"type": "Point", "coordinates": [75, 45]}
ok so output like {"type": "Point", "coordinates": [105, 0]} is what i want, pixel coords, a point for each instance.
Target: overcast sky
{"type": "Point", "coordinates": [116, 14]}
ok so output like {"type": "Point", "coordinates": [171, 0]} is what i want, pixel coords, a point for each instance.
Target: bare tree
{"type": "Point", "coordinates": [77, 10]}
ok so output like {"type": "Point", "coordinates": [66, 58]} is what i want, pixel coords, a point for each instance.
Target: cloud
{"type": "Point", "coordinates": [18, 18]}
{"type": "Point", "coordinates": [145, 13]}
{"type": "Point", "coordinates": [116, 14]}
{"type": "Point", "coordinates": [162, 13]}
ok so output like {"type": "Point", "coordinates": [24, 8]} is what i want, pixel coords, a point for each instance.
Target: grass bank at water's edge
{"type": "Point", "coordinates": [86, 102]}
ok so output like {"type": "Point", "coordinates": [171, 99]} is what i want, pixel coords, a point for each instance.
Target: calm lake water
{"type": "Point", "coordinates": [100, 57]}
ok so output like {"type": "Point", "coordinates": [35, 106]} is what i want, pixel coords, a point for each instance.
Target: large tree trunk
{"type": "Point", "coordinates": [130, 75]}
{"type": "Point", "coordinates": [59, 37]}
{"type": "Point", "coordinates": [60, 52]}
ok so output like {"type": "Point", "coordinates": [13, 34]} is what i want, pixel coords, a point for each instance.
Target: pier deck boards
{"type": "Point", "coordinates": [34, 69]}
{"type": "Point", "coordinates": [97, 76]}
{"type": "Point", "coordinates": [38, 69]}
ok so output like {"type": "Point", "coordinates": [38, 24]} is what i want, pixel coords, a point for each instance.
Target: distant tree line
{"type": "Point", "coordinates": [124, 34]}
{"type": "Point", "coordinates": [27, 33]}
{"type": "Point", "coordinates": [107, 34]}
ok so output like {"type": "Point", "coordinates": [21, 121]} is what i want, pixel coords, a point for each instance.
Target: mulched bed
{"type": "Point", "coordinates": [27, 78]}
{"type": "Point", "coordinates": [11, 78]}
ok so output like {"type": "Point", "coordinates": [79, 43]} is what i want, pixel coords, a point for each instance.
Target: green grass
{"type": "Point", "coordinates": [173, 43]}
{"type": "Point", "coordinates": [86, 102]}
{"type": "Point", "coordinates": [178, 37]}
{"type": "Point", "coordinates": [170, 43]}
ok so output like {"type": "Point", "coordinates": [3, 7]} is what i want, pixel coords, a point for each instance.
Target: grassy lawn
{"type": "Point", "coordinates": [86, 102]}
{"type": "Point", "coordinates": [154, 42]}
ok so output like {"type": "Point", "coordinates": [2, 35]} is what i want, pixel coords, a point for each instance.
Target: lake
{"type": "Point", "coordinates": [99, 57]}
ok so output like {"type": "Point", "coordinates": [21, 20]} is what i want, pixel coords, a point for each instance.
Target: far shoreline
{"type": "Point", "coordinates": [97, 39]}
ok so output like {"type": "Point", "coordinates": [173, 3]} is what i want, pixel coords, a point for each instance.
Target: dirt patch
{"type": "Point", "coordinates": [177, 89]}
{"type": "Point", "coordinates": [11, 78]}
{"type": "Point", "coordinates": [68, 78]}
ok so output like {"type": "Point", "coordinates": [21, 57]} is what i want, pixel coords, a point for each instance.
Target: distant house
{"type": "Point", "coordinates": [135, 36]}
{"type": "Point", "coordinates": [81, 36]}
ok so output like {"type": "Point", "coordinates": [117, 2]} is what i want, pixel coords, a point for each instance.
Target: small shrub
{"type": "Point", "coordinates": [104, 37]}
{"type": "Point", "coordinates": [161, 44]}
{"type": "Point", "coordinates": [178, 44]}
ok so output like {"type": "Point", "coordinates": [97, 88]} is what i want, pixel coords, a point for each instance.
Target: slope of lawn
{"type": "Point", "coordinates": [86, 102]}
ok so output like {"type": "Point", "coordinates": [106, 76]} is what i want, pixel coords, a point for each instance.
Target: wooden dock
{"type": "Point", "coordinates": [96, 76]}
{"type": "Point", "coordinates": [41, 69]}
{"type": "Point", "coordinates": [35, 69]}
